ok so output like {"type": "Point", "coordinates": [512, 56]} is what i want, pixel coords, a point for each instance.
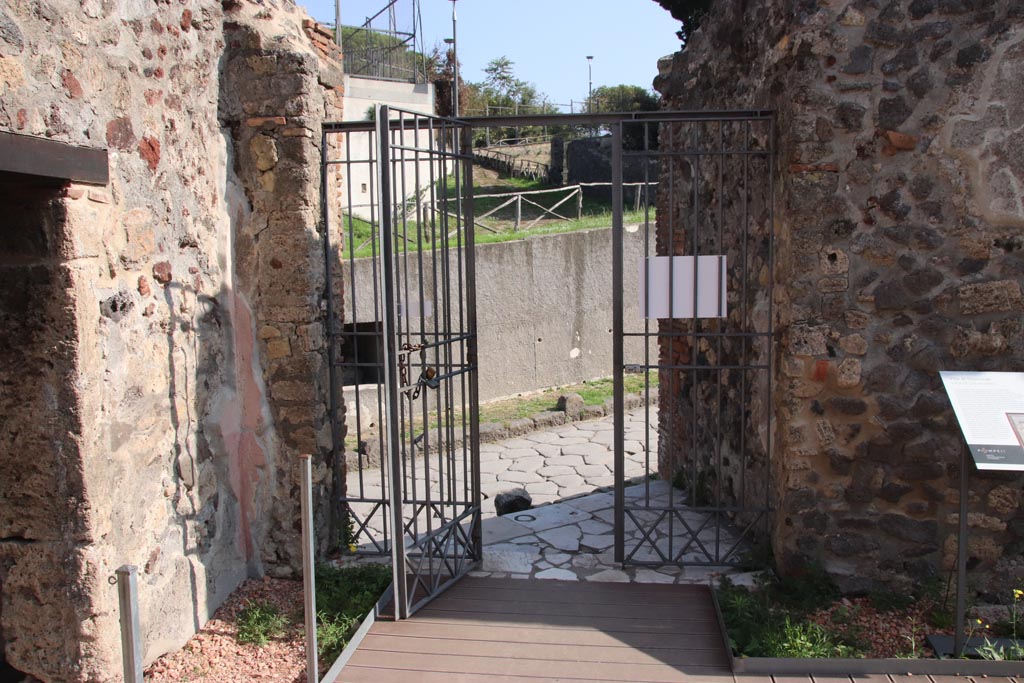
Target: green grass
{"type": "Point", "coordinates": [594, 393]}
{"type": "Point", "coordinates": [344, 596]}
{"type": "Point", "coordinates": [259, 623]}
{"type": "Point", "coordinates": [596, 213]}
{"type": "Point", "coordinates": [771, 622]}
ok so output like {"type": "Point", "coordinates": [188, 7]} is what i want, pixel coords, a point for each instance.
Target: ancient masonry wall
{"type": "Point", "coordinates": [161, 338]}
{"type": "Point", "coordinates": [899, 222]}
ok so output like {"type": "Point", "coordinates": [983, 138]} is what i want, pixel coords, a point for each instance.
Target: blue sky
{"type": "Point", "coordinates": [548, 40]}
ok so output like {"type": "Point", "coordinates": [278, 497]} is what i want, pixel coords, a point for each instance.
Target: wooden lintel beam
{"type": "Point", "coordinates": [29, 155]}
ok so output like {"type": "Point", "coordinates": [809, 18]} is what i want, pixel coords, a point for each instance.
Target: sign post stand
{"type": "Point", "coordinates": [989, 407]}
{"type": "Point", "coordinates": [959, 640]}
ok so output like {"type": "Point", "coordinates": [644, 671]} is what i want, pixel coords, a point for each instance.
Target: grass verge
{"type": "Point", "coordinates": [593, 392]}
{"type": "Point", "coordinates": [344, 596]}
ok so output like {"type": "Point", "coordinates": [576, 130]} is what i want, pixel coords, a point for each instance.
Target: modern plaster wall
{"type": "Point", "coordinates": [544, 308]}
{"type": "Point", "coordinates": [361, 95]}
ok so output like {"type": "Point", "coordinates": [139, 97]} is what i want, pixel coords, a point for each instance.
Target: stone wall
{"type": "Point", "coordinates": [161, 337]}
{"type": "Point", "coordinates": [899, 223]}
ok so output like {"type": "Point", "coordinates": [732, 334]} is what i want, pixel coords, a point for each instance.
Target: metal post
{"type": "Point", "coordinates": [393, 380]}
{"type": "Point", "coordinates": [590, 84]}
{"type": "Point", "coordinates": [472, 345]}
{"type": "Point", "coordinates": [617, 343]}
{"type": "Point", "coordinates": [308, 570]}
{"type": "Point", "coordinates": [455, 57]}
{"type": "Point", "coordinates": [131, 638]}
{"type": "Point", "coordinates": [337, 22]}
{"type": "Point", "coordinates": [961, 558]}
{"type": "Point", "coordinates": [579, 202]}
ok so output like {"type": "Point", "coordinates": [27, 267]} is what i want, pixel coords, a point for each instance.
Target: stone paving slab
{"type": "Point", "coordinates": [574, 540]}
{"type": "Point", "coordinates": [567, 470]}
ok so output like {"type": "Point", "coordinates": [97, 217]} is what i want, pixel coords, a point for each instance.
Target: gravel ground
{"type": "Point", "coordinates": [214, 655]}
{"type": "Point", "coordinates": [887, 634]}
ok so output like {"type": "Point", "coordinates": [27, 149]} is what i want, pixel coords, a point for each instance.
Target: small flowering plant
{"type": "Point", "coordinates": [1015, 651]}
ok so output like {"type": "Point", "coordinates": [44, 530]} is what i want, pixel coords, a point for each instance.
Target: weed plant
{"type": "Point", "coordinates": [999, 652]}
{"type": "Point", "coordinates": [344, 596]}
{"type": "Point", "coordinates": [772, 621]}
{"type": "Point", "coordinates": [259, 623]}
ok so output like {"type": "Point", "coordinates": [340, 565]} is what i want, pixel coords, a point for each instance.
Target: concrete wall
{"type": "Point", "coordinates": [899, 218]}
{"type": "Point", "coordinates": [160, 365]}
{"type": "Point", "coordinates": [544, 308]}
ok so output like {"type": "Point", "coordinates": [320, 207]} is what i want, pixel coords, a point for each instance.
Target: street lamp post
{"type": "Point", "coordinates": [590, 84]}
{"type": "Point", "coordinates": [455, 58]}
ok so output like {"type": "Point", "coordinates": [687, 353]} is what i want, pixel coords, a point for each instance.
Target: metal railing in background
{"type": "Point", "coordinates": [382, 54]}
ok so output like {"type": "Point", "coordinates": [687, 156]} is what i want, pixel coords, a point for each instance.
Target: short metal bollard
{"type": "Point", "coordinates": [131, 638]}
{"type": "Point", "coordinates": [308, 568]}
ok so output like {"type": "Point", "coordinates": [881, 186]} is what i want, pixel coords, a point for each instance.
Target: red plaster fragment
{"type": "Point", "coordinates": [162, 272]}
{"type": "Point", "coordinates": [186, 20]}
{"type": "Point", "coordinates": [149, 149]}
{"type": "Point", "coordinates": [153, 96]}
{"type": "Point", "coordinates": [72, 88]}
{"type": "Point", "coordinates": [22, 119]}
{"type": "Point", "coordinates": [144, 288]}
{"type": "Point", "coordinates": [120, 134]}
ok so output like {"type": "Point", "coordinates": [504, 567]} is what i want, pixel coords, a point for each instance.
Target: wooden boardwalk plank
{"type": "Point", "coordinates": [606, 595]}
{"type": "Point", "coordinates": [501, 631]}
{"type": "Point", "coordinates": [569, 652]}
{"type": "Point", "coordinates": [511, 633]}
{"type": "Point", "coordinates": [572, 622]}
{"type": "Point", "coordinates": [453, 603]}
{"type": "Point", "coordinates": [360, 674]}
{"type": "Point", "coordinates": [491, 666]}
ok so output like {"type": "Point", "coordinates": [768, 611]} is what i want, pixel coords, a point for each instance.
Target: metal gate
{"type": "Point", "coordinates": [692, 326]}
{"type": "Point", "coordinates": [404, 363]}
{"type": "Point", "coordinates": [692, 473]}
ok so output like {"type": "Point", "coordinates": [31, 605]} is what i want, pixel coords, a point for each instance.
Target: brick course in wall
{"type": "Point", "coordinates": [899, 252]}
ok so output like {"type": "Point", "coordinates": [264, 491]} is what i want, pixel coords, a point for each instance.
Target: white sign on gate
{"type": "Point", "coordinates": [670, 281]}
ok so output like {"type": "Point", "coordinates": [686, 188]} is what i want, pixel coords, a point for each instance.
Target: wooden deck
{"type": "Point", "coordinates": [509, 630]}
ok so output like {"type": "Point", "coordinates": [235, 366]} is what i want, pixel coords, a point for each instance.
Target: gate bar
{"type": "Point", "coordinates": [472, 357]}
{"type": "Point", "coordinates": [568, 119]}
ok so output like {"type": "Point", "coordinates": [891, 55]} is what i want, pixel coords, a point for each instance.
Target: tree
{"type": "Point", "coordinates": [501, 78]}
{"type": "Point", "coordinates": [628, 98]}
{"type": "Point", "coordinates": [441, 72]}
{"type": "Point", "coordinates": [623, 98]}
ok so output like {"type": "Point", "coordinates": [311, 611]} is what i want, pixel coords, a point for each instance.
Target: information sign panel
{"type": "Point", "coordinates": [990, 409]}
